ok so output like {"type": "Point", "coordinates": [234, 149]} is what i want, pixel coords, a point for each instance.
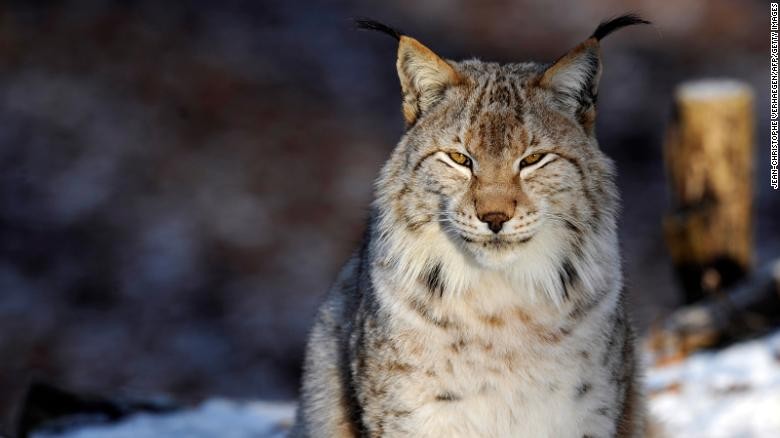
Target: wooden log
{"type": "Point", "coordinates": [750, 308]}
{"type": "Point", "coordinates": [708, 156]}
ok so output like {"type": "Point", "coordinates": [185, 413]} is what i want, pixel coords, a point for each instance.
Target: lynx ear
{"type": "Point", "coordinates": [574, 77]}
{"type": "Point", "coordinates": [424, 77]}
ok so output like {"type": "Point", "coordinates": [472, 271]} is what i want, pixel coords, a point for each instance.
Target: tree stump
{"type": "Point", "coordinates": [708, 154]}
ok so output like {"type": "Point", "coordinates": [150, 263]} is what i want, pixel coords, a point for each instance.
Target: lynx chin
{"type": "Point", "coordinates": [487, 298]}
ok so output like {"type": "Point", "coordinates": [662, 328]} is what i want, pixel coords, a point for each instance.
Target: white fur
{"type": "Point", "coordinates": [517, 402]}
{"type": "Point", "coordinates": [526, 171]}
{"type": "Point", "coordinates": [445, 158]}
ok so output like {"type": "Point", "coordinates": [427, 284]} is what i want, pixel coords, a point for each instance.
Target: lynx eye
{"type": "Point", "coordinates": [460, 159]}
{"type": "Point", "coordinates": [531, 159]}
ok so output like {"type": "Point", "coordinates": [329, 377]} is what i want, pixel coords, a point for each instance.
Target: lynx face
{"type": "Point", "coordinates": [501, 159]}
{"type": "Point", "coordinates": [497, 164]}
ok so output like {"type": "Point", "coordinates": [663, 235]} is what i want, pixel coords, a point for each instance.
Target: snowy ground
{"type": "Point", "coordinates": [213, 419]}
{"type": "Point", "coordinates": [733, 393]}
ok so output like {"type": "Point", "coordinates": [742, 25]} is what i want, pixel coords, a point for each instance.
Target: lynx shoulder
{"type": "Point", "coordinates": [486, 299]}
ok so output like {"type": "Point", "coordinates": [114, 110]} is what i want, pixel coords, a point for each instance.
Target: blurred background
{"type": "Point", "coordinates": [181, 181]}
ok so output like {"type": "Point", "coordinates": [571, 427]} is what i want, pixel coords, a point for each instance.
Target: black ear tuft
{"type": "Point", "coordinates": [613, 24]}
{"type": "Point", "coordinates": [368, 24]}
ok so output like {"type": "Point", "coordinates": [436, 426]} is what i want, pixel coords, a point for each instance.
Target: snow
{"type": "Point", "coordinates": [712, 88]}
{"type": "Point", "coordinates": [216, 418]}
{"type": "Point", "coordinates": [732, 393]}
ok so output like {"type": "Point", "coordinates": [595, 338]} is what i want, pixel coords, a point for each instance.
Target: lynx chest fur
{"type": "Point", "coordinates": [486, 299]}
{"type": "Point", "coordinates": [517, 369]}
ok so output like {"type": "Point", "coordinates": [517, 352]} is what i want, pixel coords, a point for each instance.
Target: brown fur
{"type": "Point", "coordinates": [486, 299]}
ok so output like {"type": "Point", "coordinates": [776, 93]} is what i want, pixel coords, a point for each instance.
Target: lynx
{"type": "Point", "coordinates": [486, 299]}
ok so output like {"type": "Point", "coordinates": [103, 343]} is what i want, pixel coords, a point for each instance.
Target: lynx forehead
{"type": "Point", "coordinates": [486, 299]}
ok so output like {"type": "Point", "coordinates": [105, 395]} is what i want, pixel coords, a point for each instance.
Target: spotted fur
{"type": "Point", "coordinates": [487, 298]}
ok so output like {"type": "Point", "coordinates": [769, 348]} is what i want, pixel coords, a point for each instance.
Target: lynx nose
{"type": "Point", "coordinates": [495, 220]}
